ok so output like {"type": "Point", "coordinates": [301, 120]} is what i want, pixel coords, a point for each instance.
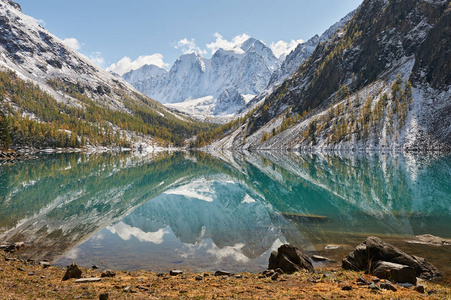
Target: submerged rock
{"type": "Point", "coordinates": [430, 239]}
{"type": "Point", "coordinates": [373, 250]}
{"type": "Point", "coordinates": [289, 259]}
{"type": "Point", "coordinates": [320, 258]}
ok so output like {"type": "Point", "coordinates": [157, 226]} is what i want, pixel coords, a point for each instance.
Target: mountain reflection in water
{"type": "Point", "coordinates": [224, 210]}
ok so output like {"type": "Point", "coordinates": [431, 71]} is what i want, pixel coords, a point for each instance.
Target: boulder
{"type": "Point", "coordinates": [373, 250]}
{"type": "Point", "coordinates": [72, 271]}
{"type": "Point", "coordinates": [289, 259]}
{"type": "Point", "coordinates": [395, 272]}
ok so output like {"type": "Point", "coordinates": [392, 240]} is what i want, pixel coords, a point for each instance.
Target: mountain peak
{"type": "Point", "coordinates": [14, 4]}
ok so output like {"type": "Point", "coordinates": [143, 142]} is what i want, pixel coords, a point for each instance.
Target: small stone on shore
{"type": "Point", "coordinates": [419, 288]}
{"type": "Point", "coordinates": [108, 273]}
{"type": "Point", "coordinates": [199, 277]}
{"type": "Point", "coordinates": [388, 286]}
{"type": "Point", "coordinates": [222, 273]}
{"type": "Point", "coordinates": [129, 289]}
{"type": "Point", "coordinates": [175, 272]}
{"type": "Point", "coordinates": [103, 296]}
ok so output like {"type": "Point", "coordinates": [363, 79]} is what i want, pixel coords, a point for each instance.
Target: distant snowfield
{"type": "Point", "coordinates": [204, 108]}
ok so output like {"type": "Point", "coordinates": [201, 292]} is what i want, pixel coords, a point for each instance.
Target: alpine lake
{"type": "Point", "coordinates": [201, 211]}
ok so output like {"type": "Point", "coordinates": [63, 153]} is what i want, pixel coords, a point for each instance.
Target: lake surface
{"type": "Point", "coordinates": [225, 210]}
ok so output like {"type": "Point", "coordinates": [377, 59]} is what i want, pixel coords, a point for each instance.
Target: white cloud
{"type": "Point", "coordinates": [282, 48]}
{"type": "Point", "coordinates": [189, 46]}
{"type": "Point", "coordinates": [225, 44]}
{"type": "Point", "coordinates": [39, 21]}
{"type": "Point", "coordinates": [126, 64]}
{"type": "Point", "coordinates": [72, 43]}
{"type": "Point", "coordinates": [97, 58]}
{"type": "Point", "coordinates": [125, 232]}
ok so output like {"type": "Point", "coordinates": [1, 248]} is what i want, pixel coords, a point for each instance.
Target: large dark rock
{"type": "Point", "coordinates": [373, 250]}
{"type": "Point", "coordinates": [72, 271]}
{"type": "Point", "coordinates": [395, 272]}
{"type": "Point", "coordinates": [289, 259]}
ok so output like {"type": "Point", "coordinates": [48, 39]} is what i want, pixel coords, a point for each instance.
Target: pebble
{"type": "Point", "coordinates": [388, 286]}
{"type": "Point", "coordinates": [374, 286]}
{"type": "Point", "coordinates": [222, 273]}
{"type": "Point", "coordinates": [239, 276]}
{"type": "Point", "coordinates": [362, 281]}
{"type": "Point", "coordinates": [175, 272]}
{"type": "Point", "coordinates": [268, 273]}
{"type": "Point", "coordinates": [45, 264]}
{"type": "Point", "coordinates": [419, 288]}
{"type": "Point", "coordinates": [30, 273]}
{"type": "Point", "coordinates": [103, 296]}
{"type": "Point", "coordinates": [95, 267]}
{"type": "Point", "coordinates": [199, 277]}
{"type": "Point", "coordinates": [347, 288]}
{"type": "Point", "coordinates": [275, 276]}
{"type": "Point", "coordinates": [129, 289]}
{"type": "Point", "coordinates": [108, 273]}
{"type": "Point", "coordinates": [21, 269]}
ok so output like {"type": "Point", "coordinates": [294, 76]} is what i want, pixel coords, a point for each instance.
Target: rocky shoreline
{"type": "Point", "coordinates": [12, 156]}
{"type": "Point", "coordinates": [290, 275]}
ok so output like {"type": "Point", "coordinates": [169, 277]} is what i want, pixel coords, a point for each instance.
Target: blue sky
{"type": "Point", "coordinates": [136, 32]}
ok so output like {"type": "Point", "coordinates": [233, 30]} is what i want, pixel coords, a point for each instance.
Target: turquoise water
{"type": "Point", "coordinates": [227, 210]}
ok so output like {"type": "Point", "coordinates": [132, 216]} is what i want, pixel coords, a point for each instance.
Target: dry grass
{"type": "Point", "coordinates": [45, 283]}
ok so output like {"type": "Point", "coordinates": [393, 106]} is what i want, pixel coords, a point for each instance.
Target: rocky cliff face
{"type": "Point", "coordinates": [348, 93]}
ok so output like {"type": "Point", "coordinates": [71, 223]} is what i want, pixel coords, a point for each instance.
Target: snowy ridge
{"type": "Point", "coordinates": [349, 82]}
{"type": "Point", "coordinates": [249, 69]}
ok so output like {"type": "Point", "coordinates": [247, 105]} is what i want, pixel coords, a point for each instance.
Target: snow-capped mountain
{"type": "Point", "coordinates": [202, 87]}
{"type": "Point", "coordinates": [30, 53]}
{"type": "Point", "coordinates": [381, 82]}
{"type": "Point", "coordinates": [247, 69]}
